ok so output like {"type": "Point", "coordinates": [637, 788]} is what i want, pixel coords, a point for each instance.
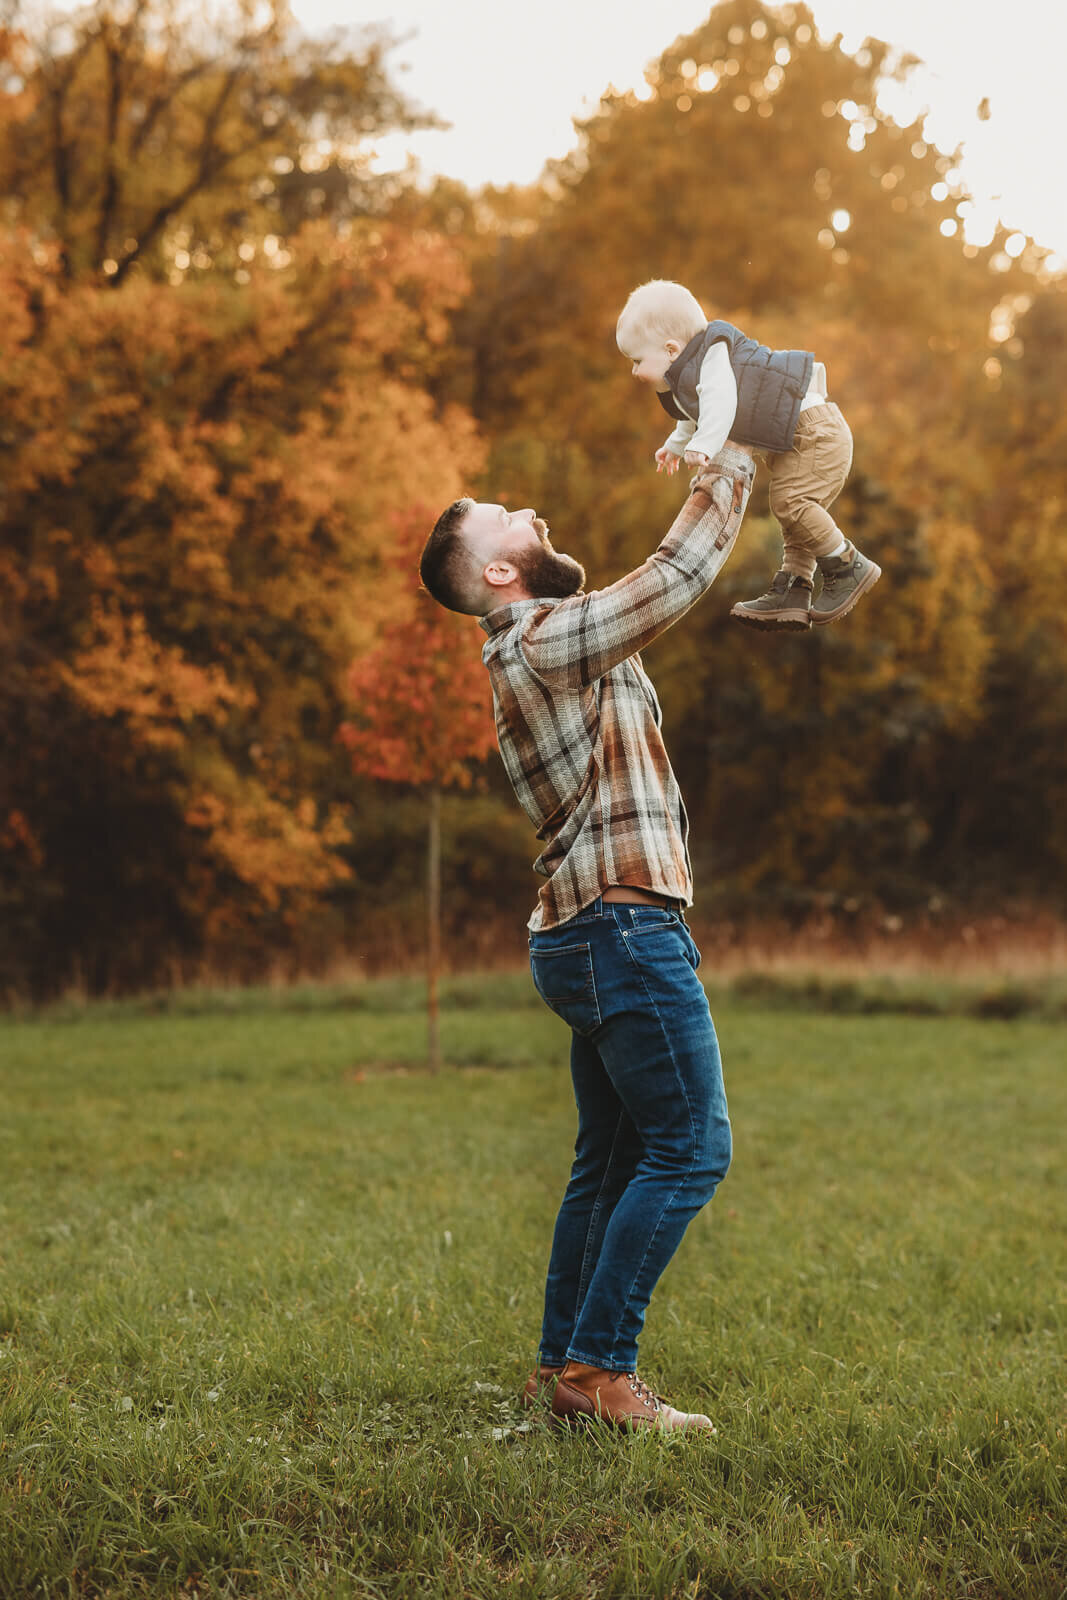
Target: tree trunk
{"type": "Point", "coordinates": [433, 940]}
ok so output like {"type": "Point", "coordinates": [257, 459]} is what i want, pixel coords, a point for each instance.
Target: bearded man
{"type": "Point", "coordinates": [579, 729]}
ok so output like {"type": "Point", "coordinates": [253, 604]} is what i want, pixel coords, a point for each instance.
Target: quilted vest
{"type": "Point", "coordinates": [770, 385]}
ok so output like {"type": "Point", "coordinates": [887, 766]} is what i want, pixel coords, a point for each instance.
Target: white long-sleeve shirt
{"type": "Point", "coordinates": [717, 398]}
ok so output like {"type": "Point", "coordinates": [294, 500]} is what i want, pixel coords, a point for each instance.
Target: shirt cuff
{"type": "Point", "coordinates": [732, 459]}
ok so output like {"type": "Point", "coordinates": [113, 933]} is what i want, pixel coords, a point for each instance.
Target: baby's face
{"type": "Point", "coordinates": [649, 354]}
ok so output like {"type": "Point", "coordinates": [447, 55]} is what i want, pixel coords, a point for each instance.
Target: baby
{"type": "Point", "coordinates": [719, 384]}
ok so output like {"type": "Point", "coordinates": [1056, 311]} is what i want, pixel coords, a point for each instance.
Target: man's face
{"type": "Point", "coordinates": [520, 538]}
{"type": "Point", "coordinates": [648, 355]}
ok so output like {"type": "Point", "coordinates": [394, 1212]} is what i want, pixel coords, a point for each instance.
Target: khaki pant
{"type": "Point", "coordinates": [805, 481]}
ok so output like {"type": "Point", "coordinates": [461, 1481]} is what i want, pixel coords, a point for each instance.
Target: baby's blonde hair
{"type": "Point", "coordinates": [665, 309]}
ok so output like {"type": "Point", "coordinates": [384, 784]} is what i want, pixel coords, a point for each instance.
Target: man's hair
{"type": "Point", "coordinates": [664, 309]}
{"type": "Point", "coordinates": [448, 567]}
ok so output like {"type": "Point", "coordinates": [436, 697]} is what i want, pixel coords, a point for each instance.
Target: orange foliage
{"type": "Point", "coordinates": [422, 697]}
{"type": "Point", "coordinates": [199, 485]}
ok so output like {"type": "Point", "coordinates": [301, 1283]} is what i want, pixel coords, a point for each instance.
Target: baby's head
{"type": "Point", "coordinates": [656, 324]}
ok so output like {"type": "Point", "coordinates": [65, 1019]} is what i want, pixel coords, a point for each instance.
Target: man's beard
{"type": "Point", "coordinates": [547, 574]}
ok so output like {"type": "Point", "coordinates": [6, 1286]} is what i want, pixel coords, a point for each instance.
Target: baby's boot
{"type": "Point", "coordinates": [844, 579]}
{"type": "Point", "coordinates": [786, 604]}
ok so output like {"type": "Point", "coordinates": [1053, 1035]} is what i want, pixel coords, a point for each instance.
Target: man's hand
{"type": "Point", "coordinates": [695, 458]}
{"type": "Point", "coordinates": [666, 461]}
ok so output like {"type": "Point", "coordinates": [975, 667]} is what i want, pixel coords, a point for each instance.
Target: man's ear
{"type": "Point", "coordinates": [498, 574]}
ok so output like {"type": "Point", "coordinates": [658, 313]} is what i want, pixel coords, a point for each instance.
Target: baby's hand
{"type": "Point", "coordinates": [695, 458]}
{"type": "Point", "coordinates": [666, 460]}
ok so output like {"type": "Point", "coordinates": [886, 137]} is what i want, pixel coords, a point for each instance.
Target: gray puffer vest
{"type": "Point", "coordinates": [770, 385]}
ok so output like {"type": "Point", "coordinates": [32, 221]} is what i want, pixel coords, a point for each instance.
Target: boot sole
{"type": "Point", "coordinates": [773, 621]}
{"type": "Point", "coordinates": [819, 619]}
{"type": "Point", "coordinates": [582, 1422]}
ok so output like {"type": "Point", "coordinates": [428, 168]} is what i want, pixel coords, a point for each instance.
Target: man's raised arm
{"type": "Point", "coordinates": [578, 640]}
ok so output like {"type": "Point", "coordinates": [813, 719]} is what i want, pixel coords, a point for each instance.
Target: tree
{"type": "Point", "coordinates": [145, 138]}
{"type": "Point", "coordinates": [423, 717]}
{"type": "Point", "coordinates": [759, 167]}
{"type": "Point", "coordinates": [196, 480]}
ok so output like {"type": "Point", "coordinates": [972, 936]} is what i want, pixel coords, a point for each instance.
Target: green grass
{"type": "Point", "coordinates": [264, 1306]}
{"type": "Point", "coordinates": [838, 989]}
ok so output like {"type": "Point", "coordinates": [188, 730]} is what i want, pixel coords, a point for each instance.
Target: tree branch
{"type": "Point", "coordinates": [57, 85]}
{"type": "Point", "coordinates": [109, 201]}
{"type": "Point", "coordinates": [165, 98]}
{"type": "Point", "coordinates": [209, 164]}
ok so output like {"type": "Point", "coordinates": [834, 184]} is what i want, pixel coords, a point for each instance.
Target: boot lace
{"type": "Point", "coordinates": [642, 1391]}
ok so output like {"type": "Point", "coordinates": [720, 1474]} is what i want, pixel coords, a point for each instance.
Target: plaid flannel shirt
{"type": "Point", "coordinates": [577, 718]}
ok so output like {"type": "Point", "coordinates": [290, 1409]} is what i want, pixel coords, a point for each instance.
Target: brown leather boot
{"type": "Point", "coordinates": [539, 1387]}
{"type": "Point", "coordinates": [619, 1399]}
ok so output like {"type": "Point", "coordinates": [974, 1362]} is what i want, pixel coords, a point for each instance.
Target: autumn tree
{"type": "Point", "coordinates": [145, 136]}
{"type": "Point", "coordinates": [197, 477]}
{"type": "Point", "coordinates": [1003, 790]}
{"type": "Point", "coordinates": [758, 166]}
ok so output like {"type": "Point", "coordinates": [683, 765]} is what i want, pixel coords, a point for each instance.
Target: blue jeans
{"type": "Point", "coordinates": [653, 1139]}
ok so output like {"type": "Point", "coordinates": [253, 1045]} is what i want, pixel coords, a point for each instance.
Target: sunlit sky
{"type": "Point", "coordinates": [510, 78]}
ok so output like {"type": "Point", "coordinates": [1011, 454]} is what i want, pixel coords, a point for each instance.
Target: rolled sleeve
{"type": "Point", "coordinates": [578, 640]}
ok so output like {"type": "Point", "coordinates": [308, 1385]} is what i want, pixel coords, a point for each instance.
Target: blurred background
{"type": "Point", "coordinates": [264, 316]}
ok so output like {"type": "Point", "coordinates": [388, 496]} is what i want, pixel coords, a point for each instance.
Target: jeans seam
{"type": "Point", "coordinates": [584, 1275]}
{"type": "Point", "coordinates": [692, 1136]}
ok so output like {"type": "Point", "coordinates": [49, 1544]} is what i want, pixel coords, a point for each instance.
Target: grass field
{"type": "Point", "coordinates": [265, 1301]}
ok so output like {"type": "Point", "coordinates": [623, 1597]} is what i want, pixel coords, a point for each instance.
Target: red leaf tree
{"type": "Point", "coordinates": [422, 716]}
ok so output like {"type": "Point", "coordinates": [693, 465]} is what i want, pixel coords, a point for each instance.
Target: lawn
{"type": "Point", "coordinates": [267, 1292]}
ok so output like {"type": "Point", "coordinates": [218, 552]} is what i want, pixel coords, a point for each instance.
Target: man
{"type": "Point", "coordinates": [578, 725]}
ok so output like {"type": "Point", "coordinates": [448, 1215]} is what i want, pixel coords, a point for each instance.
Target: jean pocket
{"type": "Point", "coordinates": [564, 980]}
{"type": "Point", "coordinates": [639, 918]}
{"type": "Point", "coordinates": [657, 943]}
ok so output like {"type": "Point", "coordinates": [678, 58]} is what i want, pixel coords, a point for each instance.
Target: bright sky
{"type": "Point", "coordinates": [509, 78]}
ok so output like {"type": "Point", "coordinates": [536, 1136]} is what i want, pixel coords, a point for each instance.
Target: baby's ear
{"type": "Point", "coordinates": [673, 348]}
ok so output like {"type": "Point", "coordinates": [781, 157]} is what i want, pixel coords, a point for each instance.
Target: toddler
{"type": "Point", "coordinates": [719, 384]}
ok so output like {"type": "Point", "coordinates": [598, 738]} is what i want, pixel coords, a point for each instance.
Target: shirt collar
{"type": "Point", "coordinates": [504, 616]}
